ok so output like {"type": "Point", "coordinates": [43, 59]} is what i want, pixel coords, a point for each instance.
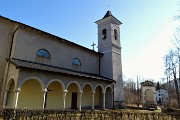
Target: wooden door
{"type": "Point", "coordinates": [74, 101]}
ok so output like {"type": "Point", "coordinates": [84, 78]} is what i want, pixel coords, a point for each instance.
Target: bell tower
{"type": "Point", "coordinates": [109, 45]}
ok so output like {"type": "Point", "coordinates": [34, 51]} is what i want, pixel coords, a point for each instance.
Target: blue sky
{"type": "Point", "coordinates": [146, 32]}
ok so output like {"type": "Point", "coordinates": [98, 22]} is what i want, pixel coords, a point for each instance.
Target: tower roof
{"type": "Point", "coordinates": [107, 15]}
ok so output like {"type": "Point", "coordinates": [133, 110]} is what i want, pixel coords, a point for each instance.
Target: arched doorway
{"type": "Point", "coordinates": [54, 96]}
{"type": "Point", "coordinates": [72, 96]}
{"type": "Point", "coordinates": [108, 98]}
{"type": "Point", "coordinates": [98, 98]}
{"type": "Point", "coordinates": [87, 96]}
{"type": "Point", "coordinates": [10, 93]}
{"type": "Point", "coordinates": [149, 96]}
{"type": "Point", "coordinates": [31, 95]}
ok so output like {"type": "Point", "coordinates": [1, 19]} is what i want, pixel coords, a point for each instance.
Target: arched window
{"type": "Point", "coordinates": [43, 53]}
{"type": "Point", "coordinates": [104, 34]}
{"type": "Point", "coordinates": [115, 34]}
{"type": "Point", "coordinates": [43, 56]}
{"type": "Point", "coordinates": [76, 61]}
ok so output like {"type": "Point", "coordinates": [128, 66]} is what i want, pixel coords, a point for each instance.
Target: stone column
{"type": "Point", "coordinates": [80, 97]}
{"type": "Point", "coordinates": [64, 99]}
{"type": "Point", "coordinates": [16, 97]}
{"type": "Point", "coordinates": [112, 100]}
{"type": "Point", "coordinates": [104, 102]}
{"type": "Point", "coordinates": [5, 97]}
{"type": "Point", "coordinates": [44, 98]}
{"type": "Point", "coordinates": [93, 93]}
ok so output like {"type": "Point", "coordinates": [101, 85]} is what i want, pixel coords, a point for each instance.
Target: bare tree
{"type": "Point", "coordinates": [177, 53]}
{"type": "Point", "coordinates": [132, 91]}
{"type": "Point", "coordinates": [172, 60]}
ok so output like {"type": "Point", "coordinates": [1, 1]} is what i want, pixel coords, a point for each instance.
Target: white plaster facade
{"type": "Point", "coordinates": [54, 80]}
{"type": "Point", "coordinates": [162, 96]}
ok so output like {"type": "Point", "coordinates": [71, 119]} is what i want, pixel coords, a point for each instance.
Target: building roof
{"type": "Point", "coordinates": [44, 67]}
{"type": "Point", "coordinates": [61, 39]}
{"type": "Point", "coordinates": [147, 83]}
{"type": "Point", "coordinates": [109, 14]}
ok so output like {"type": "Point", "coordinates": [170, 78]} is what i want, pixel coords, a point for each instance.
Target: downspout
{"type": "Point", "coordinates": [100, 55]}
{"type": "Point", "coordinates": [99, 65]}
{"type": "Point", "coordinates": [12, 41]}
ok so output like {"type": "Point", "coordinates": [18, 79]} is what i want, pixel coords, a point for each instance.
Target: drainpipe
{"type": "Point", "coordinates": [12, 41]}
{"type": "Point", "coordinates": [100, 63]}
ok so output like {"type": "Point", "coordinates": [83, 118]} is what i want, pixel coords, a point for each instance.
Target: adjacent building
{"type": "Point", "coordinates": [162, 96]}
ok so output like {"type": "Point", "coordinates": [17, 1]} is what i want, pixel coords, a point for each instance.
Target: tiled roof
{"type": "Point", "coordinates": [39, 66]}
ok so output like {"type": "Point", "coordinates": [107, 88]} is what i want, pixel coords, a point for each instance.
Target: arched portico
{"type": "Point", "coordinates": [99, 96]}
{"type": "Point", "coordinates": [87, 95]}
{"type": "Point", "coordinates": [30, 94]}
{"type": "Point", "coordinates": [54, 95]}
{"type": "Point", "coordinates": [109, 97]}
{"type": "Point", "coordinates": [9, 93]}
{"type": "Point", "coordinates": [73, 95]}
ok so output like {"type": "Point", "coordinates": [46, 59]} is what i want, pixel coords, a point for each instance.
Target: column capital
{"type": "Point", "coordinates": [65, 91]}
{"type": "Point", "coordinates": [81, 92]}
{"type": "Point", "coordinates": [45, 90]}
{"type": "Point", "coordinates": [17, 90]}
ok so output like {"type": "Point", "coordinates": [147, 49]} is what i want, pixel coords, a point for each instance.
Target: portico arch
{"type": "Point", "coordinates": [31, 94]}
{"type": "Point", "coordinates": [98, 98]}
{"type": "Point", "coordinates": [10, 88]}
{"type": "Point", "coordinates": [54, 95]}
{"type": "Point", "coordinates": [57, 80]}
{"type": "Point", "coordinates": [9, 83]}
{"type": "Point", "coordinates": [32, 78]}
{"type": "Point", "coordinates": [108, 98]}
{"type": "Point", "coordinates": [87, 90]}
{"type": "Point", "coordinates": [75, 82]}
{"type": "Point", "coordinates": [72, 96]}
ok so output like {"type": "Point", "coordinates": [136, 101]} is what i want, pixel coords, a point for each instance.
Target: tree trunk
{"type": "Point", "coordinates": [177, 89]}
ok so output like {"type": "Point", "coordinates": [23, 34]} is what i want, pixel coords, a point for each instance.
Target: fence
{"type": "Point", "coordinates": [40, 114]}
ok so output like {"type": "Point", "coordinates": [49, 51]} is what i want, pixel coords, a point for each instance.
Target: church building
{"type": "Point", "coordinates": [41, 70]}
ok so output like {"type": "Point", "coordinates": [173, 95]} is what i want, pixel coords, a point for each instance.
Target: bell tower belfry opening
{"type": "Point", "coordinates": [109, 45]}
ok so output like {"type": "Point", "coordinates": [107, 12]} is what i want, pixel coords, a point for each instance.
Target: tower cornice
{"type": "Point", "coordinates": [109, 44]}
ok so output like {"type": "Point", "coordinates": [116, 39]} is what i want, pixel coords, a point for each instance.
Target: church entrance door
{"type": "Point", "coordinates": [74, 101]}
